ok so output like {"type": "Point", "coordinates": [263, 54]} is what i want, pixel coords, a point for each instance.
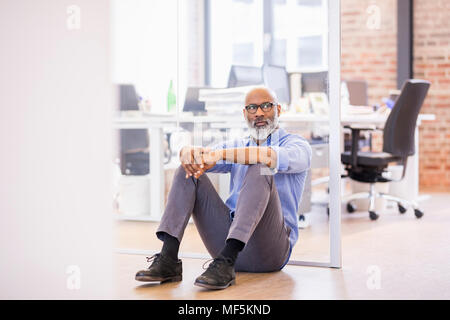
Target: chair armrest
{"type": "Point", "coordinates": [355, 131]}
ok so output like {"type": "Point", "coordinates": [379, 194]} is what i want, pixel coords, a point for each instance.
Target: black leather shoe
{"type": "Point", "coordinates": [163, 269]}
{"type": "Point", "coordinates": [219, 275]}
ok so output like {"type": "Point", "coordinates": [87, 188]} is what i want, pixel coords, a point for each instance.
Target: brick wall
{"type": "Point", "coordinates": [432, 62]}
{"type": "Point", "coordinates": [369, 48]}
{"type": "Point", "coordinates": [369, 52]}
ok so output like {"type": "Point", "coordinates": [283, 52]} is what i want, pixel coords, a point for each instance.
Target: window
{"type": "Point", "coordinates": [309, 52]}
{"type": "Point", "coordinates": [290, 33]}
{"type": "Point", "coordinates": [243, 54]}
{"type": "Point", "coordinates": [278, 52]}
{"type": "Point", "coordinates": [302, 27]}
{"type": "Point", "coordinates": [236, 37]}
{"type": "Point", "coordinates": [150, 47]}
{"type": "Point", "coordinates": [309, 3]}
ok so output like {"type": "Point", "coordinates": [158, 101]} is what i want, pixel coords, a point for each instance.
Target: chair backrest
{"type": "Point", "coordinates": [399, 130]}
{"type": "Point", "coordinates": [277, 79]}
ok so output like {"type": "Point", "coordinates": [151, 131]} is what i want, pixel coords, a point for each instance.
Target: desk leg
{"type": "Point", "coordinates": [157, 183]}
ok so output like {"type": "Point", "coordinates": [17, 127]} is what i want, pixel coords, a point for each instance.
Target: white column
{"type": "Point", "coordinates": [334, 77]}
{"type": "Point", "coordinates": [56, 190]}
{"type": "Point", "coordinates": [157, 181]}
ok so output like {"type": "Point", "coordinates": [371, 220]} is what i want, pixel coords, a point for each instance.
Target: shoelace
{"type": "Point", "coordinates": [153, 257]}
{"type": "Point", "coordinates": [212, 264]}
{"type": "Point", "coordinates": [215, 262]}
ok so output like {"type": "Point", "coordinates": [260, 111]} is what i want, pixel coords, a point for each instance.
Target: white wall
{"type": "Point", "coordinates": [55, 142]}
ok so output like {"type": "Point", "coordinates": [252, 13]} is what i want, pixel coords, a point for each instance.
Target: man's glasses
{"type": "Point", "coordinates": [265, 107]}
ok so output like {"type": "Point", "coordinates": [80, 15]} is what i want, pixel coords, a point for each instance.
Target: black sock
{"type": "Point", "coordinates": [170, 246]}
{"type": "Point", "coordinates": [232, 249]}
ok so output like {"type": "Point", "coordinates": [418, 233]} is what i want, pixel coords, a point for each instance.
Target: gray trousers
{"type": "Point", "coordinates": [258, 219]}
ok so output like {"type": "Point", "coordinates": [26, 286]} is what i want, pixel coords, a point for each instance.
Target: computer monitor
{"type": "Point", "coordinates": [132, 162]}
{"type": "Point", "coordinates": [357, 90]}
{"type": "Point", "coordinates": [276, 78]}
{"type": "Point", "coordinates": [128, 97]}
{"type": "Point", "coordinates": [191, 102]}
{"type": "Point", "coordinates": [244, 76]}
{"type": "Point", "coordinates": [314, 82]}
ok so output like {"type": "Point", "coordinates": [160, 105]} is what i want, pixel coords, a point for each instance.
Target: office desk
{"type": "Point", "coordinates": [156, 125]}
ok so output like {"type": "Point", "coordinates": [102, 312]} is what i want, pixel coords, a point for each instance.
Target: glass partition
{"type": "Point", "coordinates": [191, 67]}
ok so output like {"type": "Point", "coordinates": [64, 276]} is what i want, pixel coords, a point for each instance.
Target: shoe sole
{"type": "Point", "coordinates": [160, 279]}
{"type": "Point", "coordinates": [213, 287]}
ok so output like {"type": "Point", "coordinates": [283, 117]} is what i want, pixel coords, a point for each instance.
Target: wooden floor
{"type": "Point", "coordinates": [409, 257]}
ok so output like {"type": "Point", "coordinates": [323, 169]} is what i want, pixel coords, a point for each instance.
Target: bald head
{"type": "Point", "coordinates": [259, 95]}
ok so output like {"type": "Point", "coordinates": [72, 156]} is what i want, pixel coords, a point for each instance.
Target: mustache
{"type": "Point", "coordinates": [253, 122]}
{"type": "Point", "coordinates": [262, 132]}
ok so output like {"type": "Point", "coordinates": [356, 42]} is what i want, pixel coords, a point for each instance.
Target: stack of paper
{"type": "Point", "coordinates": [224, 101]}
{"type": "Point", "coordinates": [358, 110]}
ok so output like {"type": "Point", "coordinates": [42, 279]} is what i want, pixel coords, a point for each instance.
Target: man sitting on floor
{"type": "Point", "coordinates": [268, 171]}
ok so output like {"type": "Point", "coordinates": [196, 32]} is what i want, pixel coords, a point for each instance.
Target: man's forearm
{"type": "Point", "coordinates": [250, 155]}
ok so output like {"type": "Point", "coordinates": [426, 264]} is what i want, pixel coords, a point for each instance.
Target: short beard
{"type": "Point", "coordinates": [262, 133]}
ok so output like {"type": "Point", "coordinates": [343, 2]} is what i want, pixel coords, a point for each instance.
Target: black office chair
{"type": "Point", "coordinates": [398, 145]}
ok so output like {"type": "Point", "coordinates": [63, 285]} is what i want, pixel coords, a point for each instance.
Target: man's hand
{"type": "Point", "coordinates": [196, 160]}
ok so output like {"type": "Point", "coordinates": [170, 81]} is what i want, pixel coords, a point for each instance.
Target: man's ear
{"type": "Point", "coordinates": [279, 108]}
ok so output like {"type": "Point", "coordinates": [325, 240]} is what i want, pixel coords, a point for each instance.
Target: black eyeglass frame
{"type": "Point", "coordinates": [265, 107]}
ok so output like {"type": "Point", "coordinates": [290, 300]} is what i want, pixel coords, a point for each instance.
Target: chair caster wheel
{"type": "Point", "coordinates": [401, 209]}
{"type": "Point", "coordinates": [373, 215]}
{"type": "Point", "coordinates": [418, 213]}
{"type": "Point", "coordinates": [351, 208]}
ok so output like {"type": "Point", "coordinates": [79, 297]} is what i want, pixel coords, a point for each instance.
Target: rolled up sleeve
{"type": "Point", "coordinates": [221, 167]}
{"type": "Point", "coordinates": [294, 156]}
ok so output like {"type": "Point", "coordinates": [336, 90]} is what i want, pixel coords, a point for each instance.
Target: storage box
{"type": "Point", "coordinates": [134, 195]}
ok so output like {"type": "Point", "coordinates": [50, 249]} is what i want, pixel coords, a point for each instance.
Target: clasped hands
{"type": "Point", "coordinates": [196, 160]}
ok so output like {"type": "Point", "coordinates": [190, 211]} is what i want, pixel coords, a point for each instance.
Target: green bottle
{"type": "Point", "coordinates": [171, 98]}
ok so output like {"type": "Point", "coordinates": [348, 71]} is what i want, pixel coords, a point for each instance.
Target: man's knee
{"type": "Point", "coordinates": [259, 171]}
{"type": "Point", "coordinates": [180, 172]}
{"type": "Point", "coordinates": [180, 175]}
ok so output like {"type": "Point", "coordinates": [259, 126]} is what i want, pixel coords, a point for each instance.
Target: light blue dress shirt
{"type": "Point", "coordinates": [293, 163]}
